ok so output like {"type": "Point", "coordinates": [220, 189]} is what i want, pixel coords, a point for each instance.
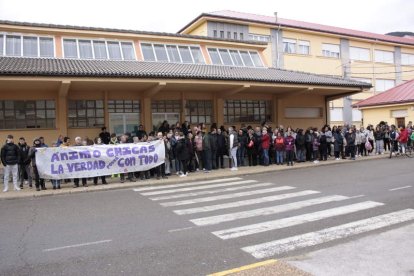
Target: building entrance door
{"type": "Point", "coordinates": [158, 118]}
{"type": "Point", "coordinates": [121, 123]}
{"type": "Point", "coordinates": [400, 121]}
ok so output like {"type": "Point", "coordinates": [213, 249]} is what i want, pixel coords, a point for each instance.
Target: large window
{"type": "Point", "coordinates": [172, 53]}
{"type": "Point", "coordinates": [407, 59]}
{"type": "Point", "coordinates": [27, 114]}
{"type": "Point", "coordinates": [123, 106]}
{"type": "Point", "coordinates": [98, 49]}
{"type": "Point", "coordinates": [303, 47]}
{"type": "Point", "coordinates": [289, 45]}
{"type": "Point", "coordinates": [200, 111]}
{"type": "Point", "coordinates": [26, 46]}
{"type": "Point", "coordinates": [86, 113]}
{"type": "Point", "coordinates": [235, 57]}
{"type": "Point", "coordinates": [330, 50]}
{"type": "Point", "coordinates": [356, 53]}
{"type": "Point", "coordinates": [173, 106]}
{"type": "Point", "coordinates": [384, 56]}
{"type": "Point", "coordinates": [240, 111]}
{"type": "Point", "coordinates": [336, 114]}
{"type": "Point", "coordinates": [293, 46]}
{"type": "Point", "coordinates": [383, 85]}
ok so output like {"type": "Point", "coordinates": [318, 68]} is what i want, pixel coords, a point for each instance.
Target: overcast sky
{"type": "Point", "coordinates": [379, 16]}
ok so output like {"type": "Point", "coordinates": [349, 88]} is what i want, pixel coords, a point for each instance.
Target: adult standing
{"type": "Point", "coordinates": [24, 163]}
{"type": "Point", "coordinates": [221, 149]}
{"type": "Point", "coordinates": [265, 147]}
{"type": "Point", "coordinates": [183, 154]}
{"type": "Point", "coordinates": [350, 142]}
{"type": "Point", "coordinates": [241, 151]}
{"type": "Point", "coordinates": [39, 182]}
{"type": "Point", "coordinates": [379, 140]}
{"type": "Point", "coordinates": [10, 156]}
{"type": "Point", "coordinates": [300, 142]}
{"type": "Point", "coordinates": [233, 146]}
{"type": "Point", "coordinates": [78, 143]}
{"type": "Point", "coordinates": [105, 136]}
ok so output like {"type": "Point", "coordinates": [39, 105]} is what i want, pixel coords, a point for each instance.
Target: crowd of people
{"type": "Point", "coordinates": [193, 149]}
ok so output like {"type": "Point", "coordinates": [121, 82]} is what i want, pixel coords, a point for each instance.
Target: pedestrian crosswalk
{"type": "Point", "coordinates": [234, 208]}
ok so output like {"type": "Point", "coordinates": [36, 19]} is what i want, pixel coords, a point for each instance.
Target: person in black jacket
{"type": "Point", "coordinates": [10, 157]}
{"type": "Point", "coordinates": [213, 145]}
{"type": "Point", "coordinates": [221, 149]}
{"type": "Point", "coordinates": [183, 153]}
{"type": "Point", "coordinates": [105, 136]}
{"type": "Point", "coordinates": [300, 146]}
{"type": "Point", "coordinates": [39, 182]}
{"type": "Point", "coordinates": [241, 151]}
{"type": "Point", "coordinates": [24, 163]}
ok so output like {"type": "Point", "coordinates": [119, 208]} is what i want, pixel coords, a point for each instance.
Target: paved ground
{"type": "Point", "coordinates": [206, 226]}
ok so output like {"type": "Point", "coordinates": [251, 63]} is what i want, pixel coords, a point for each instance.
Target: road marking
{"type": "Point", "coordinates": [251, 229]}
{"type": "Point", "coordinates": [76, 245]}
{"type": "Point", "coordinates": [357, 196]}
{"type": "Point", "coordinates": [180, 229]}
{"type": "Point", "coordinates": [243, 268]}
{"type": "Point", "coordinates": [198, 187]}
{"type": "Point", "coordinates": [219, 197]}
{"type": "Point", "coordinates": [243, 203]}
{"type": "Point", "coordinates": [186, 184]}
{"type": "Point", "coordinates": [400, 188]}
{"type": "Point", "coordinates": [266, 211]}
{"type": "Point", "coordinates": [329, 234]}
{"type": "Point", "coordinates": [212, 191]}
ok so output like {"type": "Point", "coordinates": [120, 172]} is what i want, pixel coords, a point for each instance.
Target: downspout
{"type": "Point", "coordinates": [277, 42]}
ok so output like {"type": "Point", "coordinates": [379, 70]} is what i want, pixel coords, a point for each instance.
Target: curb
{"type": "Point", "coordinates": [174, 180]}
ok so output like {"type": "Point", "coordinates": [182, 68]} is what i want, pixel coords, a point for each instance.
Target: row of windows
{"type": "Point", "coordinates": [90, 113]}
{"type": "Point", "coordinates": [98, 49]}
{"type": "Point", "coordinates": [294, 46]}
{"type": "Point", "coordinates": [380, 84]}
{"type": "Point", "coordinates": [26, 46]}
{"type": "Point", "coordinates": [172, 53]}
{"type": "Point", "coordinates": [235, 57]}
{"type": "Point", "coordinates": [228, 35]}
{"type": "Point", "coordinates": [257, 37]}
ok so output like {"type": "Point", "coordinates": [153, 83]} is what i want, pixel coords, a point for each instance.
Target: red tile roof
{"type": "Point", "coordinates": [403, 93]}
{"type": "Point", "coordinates": [304, 25]}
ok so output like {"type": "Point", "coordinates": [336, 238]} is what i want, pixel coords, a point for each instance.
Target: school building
{"type": "Point", "coordinates": [224, 67]}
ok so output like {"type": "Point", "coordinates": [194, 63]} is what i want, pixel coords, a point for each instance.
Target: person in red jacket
{"type": "Point", "coordinates": [403, 139]}
{"type": "Point", "coordinates": [265, 147]}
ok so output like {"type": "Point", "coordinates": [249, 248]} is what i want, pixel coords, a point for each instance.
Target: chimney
{"type": "Point", "coordinates": [275, 13]}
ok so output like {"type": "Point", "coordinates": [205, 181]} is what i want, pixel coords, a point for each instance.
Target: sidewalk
{"type": "Point", "coordinates": [196, 176]}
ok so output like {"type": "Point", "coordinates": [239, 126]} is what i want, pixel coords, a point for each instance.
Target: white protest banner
{"type": "Point", "coordinates": [97, 160]}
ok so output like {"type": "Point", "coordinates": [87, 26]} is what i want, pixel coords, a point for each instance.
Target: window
{"type": "Point", "coordinates": [26, 46]}
{"type": "Point", "coordinates": [303, 112]}
{"type": "Point", "coordinates": [241, 36]}
{"type": "Point", "coordinates": [356, 53]}
{"type": "Point", "coordinates": [235, 35]}
{"type": "Point", "coordinates": [172, 106]}
{"type": "Point", "coordinates": [303, 47]}
{"type": "Point", "coordinates": [86, 113]}
{"type": "Point", "coordinates": [123, 106]}
{"type": "Point", "coordinates": [128, 51]}
{"type": "Point", "coordinates": [30, 48]}
{"type": "Point", "coordinates": [69, 48]}
{"type": "Point", "coordinates": [46, 47]}
{"type": "Point", "coordinates": [330, 50]}
{"type": "Point", "coordinates": [13, 45]}
{"type": "Point", "coordinates": [384, 56]}
{"type": "Point", "coordinates": [257, 37]}
{"type": "Point", "coordinates": [221, 34]}
{"type": "Point", "coordinates": [85, 49]}
{"type": "Point", "coordinates": [147, 52]}
{"type": "Point", "coordinates": [225, 57]}
{"type": "Point", "coordinates": [172, 53]}
{"type": "Point", "coordinates": [214, 33]}
{"type": "Point", "coordinates": [356, 115]}
{"type": "Point", "coordinates": [235, 57]}
{"type": "Point", "coordinates": [27, 114]}
{"type": "Point", "coordinates": [185, 54]}
{"type": "Point", "coordinates": [229, 35]}
{"type": "Point", "coordinates": [200, 111]}
{"type": "Point", "coordinates": [99, 47]}
{"type": "Point", "coordinates": [114, 50]}
{"type": "Point", "coordinates": [383, 85]}
{"type": "Point", "coordinates": [214, 55]}
{"type": "Point", "coordinates": [289, 45]}
{"type": "Point", "coordinates": [241, 111]}
{"type": "Point", "coordinates": [407, 59]}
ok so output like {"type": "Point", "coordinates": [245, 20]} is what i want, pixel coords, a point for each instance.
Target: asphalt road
{"type": "Point", "coordinates": [220, 225]}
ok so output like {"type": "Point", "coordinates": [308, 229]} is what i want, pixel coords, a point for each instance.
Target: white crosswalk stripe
{"type": "Point", "coordinates": [158, 187]}
{"type": "Point", "coordinates": [291, 221]}
{"type": "Point", "coordinates": [241, 203]}
{"type": "Point", "coordinates": [329, 234]}
{"type": "Point", "coordinates": [227, 196]}
{"type": "Point", "coordinates": [231, 189]}
{"type": "Point", "coordinates": [209, 192]}
{"type": "Point", "coordinates": [198, 188]}
{"type": "Point", "coordinates": [266, 211]}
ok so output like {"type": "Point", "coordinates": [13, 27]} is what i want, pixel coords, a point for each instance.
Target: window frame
{"type": "Point", "coordinates": [204, 114]}
{"type": "Point", "coordinates": [22, 35]}
{"type": "Point", "coordinates": [330, 56]}
{"type": "Point", "coordinates": [409, 56]}
{"type": "Point", "coordinates": [229, 50]}
{"type": "Point", "coordinates": [359, 54]}
{"type": "Point", "coordinates": [287, 41]}
{"type": "Point", "coordinates": [189, 47]}
{"type": "Point", "coordinates": [233, 108]}
{"type": "Point", "coordinates": [383, 61]}
{"type": "Point", "coordinates": [87, 117]}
